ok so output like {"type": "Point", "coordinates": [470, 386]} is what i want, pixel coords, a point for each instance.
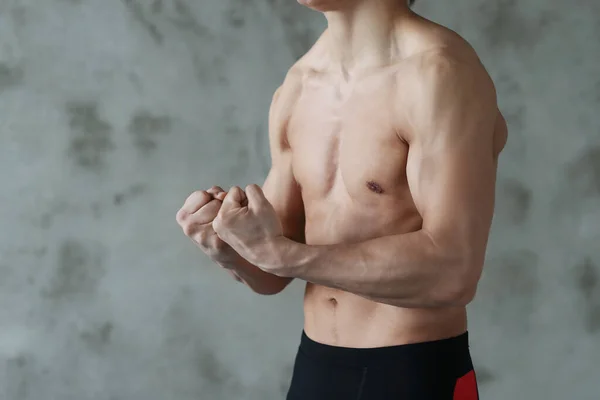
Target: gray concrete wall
{"type": "Point", "coordinates": [112, 111]}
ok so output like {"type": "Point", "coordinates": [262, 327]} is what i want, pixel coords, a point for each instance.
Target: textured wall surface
{"type": "Point", "coordinates": [113, 111]}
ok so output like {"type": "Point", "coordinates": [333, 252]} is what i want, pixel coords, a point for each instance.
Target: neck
{"type": "Point", "coordinates": [361, 35]}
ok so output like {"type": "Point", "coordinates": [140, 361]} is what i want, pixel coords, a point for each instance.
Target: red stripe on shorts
{"type": "Point", "coordinates": [466, 387]}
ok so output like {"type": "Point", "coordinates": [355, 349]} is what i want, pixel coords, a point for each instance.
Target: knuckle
{"type": "Point", "coordinates": [196, 194]}
{"type": "Point", "coordinates": [216, 204]}
{"type": "Point", "coordinates": [200, 196]}
{"type": "Point", "coordinates": [188, 229]}
{"type": "Point", "coordinates": [221, 195]}
{"type": "Point", "coordinates": [207, 212]}
{"type": "Point", "coordinates": [217, 223]}
{"type": "Point", "coordinates": [181, 216]}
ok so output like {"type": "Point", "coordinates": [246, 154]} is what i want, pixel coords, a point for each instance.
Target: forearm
{"type": "Point", "coordinates": [256, 279]}
{"type": "Point", "coordinates": [407, 270]}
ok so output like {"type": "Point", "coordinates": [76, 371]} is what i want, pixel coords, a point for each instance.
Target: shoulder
{"type": "Point", "coordinates": [283, 103]}
{"type": "Point", "coordinates": [306, 67]}
{"type": "Point", "coordinates": [289, 90]}
{"type": "Point", "coordinates": [287, 95]}
{"type": "Point", "coordinates": [448, 79]}
{"type": "Point", "coordinates": [442, 61]}
{"type": "Point", "coordinates": [450, 90]}
{"type": "Point", "coordinates": [449, 83]}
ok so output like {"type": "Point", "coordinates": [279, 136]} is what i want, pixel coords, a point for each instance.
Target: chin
{"type": "Point", "coordinates": [324, 5]}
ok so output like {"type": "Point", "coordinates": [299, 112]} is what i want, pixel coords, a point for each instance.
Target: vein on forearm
{"type": "Point", "coordinates": [407, 270]}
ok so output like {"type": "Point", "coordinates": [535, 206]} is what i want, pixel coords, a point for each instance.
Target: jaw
{"type": "Point", "coordinates": [345, 5]}
{"type": "Point", "coordinates": [327, 5]}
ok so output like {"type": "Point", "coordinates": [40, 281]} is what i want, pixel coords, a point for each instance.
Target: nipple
{"type": "Point", "coordinates": [374, 187]}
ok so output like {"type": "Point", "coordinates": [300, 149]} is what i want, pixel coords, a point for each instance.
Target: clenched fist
{"type": "Point", "coordinates": [249, 224]}
{"type": "Point", "coordinates": [196, 218]}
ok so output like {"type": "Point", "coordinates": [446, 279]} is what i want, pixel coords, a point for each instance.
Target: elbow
{"type": "Point", "coordinates": [462, 261]}
{"type": "Point", "coordinates": [262, 289]}
{"type": "Point", "coordinates": [461, 295]}
{"type": "Point", "coordinates": [267, 291]}
{"type": "Point", "coordinates": [272, 288]}
{"type": "Point", "coordinates": [461, 287]}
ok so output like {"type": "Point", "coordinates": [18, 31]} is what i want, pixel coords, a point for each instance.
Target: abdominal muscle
{"type": "Point", "coordinates": [343, 319]}
{"type": "Point", "coordinates": [339, 318]}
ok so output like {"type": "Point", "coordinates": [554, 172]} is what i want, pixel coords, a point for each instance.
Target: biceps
{"type": "Point", "coordinates": [283, 192]}
{"type": "Point", "coordinates": [454, 192]}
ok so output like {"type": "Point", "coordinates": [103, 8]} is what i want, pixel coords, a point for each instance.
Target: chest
{"type": "Point", "coordinates": [345, 140]}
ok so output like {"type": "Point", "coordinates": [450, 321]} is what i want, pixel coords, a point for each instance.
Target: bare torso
{"type": "Point", "coordinates": [349, 158]}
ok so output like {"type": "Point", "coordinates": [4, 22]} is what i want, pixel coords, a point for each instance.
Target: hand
{"type": "Point", "coordinates": [249, 224]}
{"type": "Point", "coordinates": [196, 218]}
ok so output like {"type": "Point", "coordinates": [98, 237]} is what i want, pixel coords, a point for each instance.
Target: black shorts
{"type": "Point", "coordinates": [438, 370]}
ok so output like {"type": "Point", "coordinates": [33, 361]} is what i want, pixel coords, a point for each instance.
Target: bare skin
{"type": "Point", "coordinates": [384, 139]}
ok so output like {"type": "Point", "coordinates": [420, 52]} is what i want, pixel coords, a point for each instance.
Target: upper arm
{"type": "Point", "coordinates": [280, 186]}
{"type": "Point", "coordinates": [451, 165]}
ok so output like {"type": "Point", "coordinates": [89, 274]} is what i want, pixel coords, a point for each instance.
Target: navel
{"type": "Point", "coordinates": [374, 187]}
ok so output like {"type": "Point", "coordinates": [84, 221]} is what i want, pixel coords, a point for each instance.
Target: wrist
{"type": "Point", "coordinates": [287, 259]}
{"type": "Point", "coordinates": [227, 258]}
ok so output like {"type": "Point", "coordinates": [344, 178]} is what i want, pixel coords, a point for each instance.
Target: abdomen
{"type": "Point", "coordinates": [340, 318]}
{"type": "Point", "coordinates": [343, 319]}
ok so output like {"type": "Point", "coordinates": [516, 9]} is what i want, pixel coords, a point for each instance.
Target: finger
{"type": "Point", "coordinates": [215, 190]}
{"type": "Point", "coordinates": [207, 213]}
{"type": "Point", "coordinates": [234, 199]}
{"type": "Point", "coordinates": [196, 201]}
{"type": "Point", "coordinates": [220, 196]}
{"type": "Point", "coordinates": [256, 197]}
{"type": "Point", "coordinates": [181, 216]}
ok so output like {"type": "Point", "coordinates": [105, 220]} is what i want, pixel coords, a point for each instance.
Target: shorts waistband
{"type": "Point", "coordinates": [453, 351]}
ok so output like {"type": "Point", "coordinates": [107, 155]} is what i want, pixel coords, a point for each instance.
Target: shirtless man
{"type": "Point", "coordinates": [384, 140]}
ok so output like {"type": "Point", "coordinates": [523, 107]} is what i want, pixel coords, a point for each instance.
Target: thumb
{"type": "Point", "coordinates": [256, 197]}
{"type": "Point", "coordinates": [235, 198]}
